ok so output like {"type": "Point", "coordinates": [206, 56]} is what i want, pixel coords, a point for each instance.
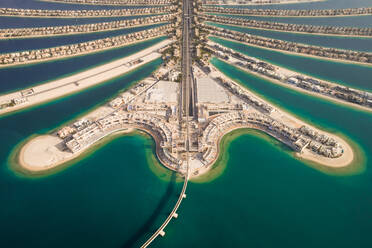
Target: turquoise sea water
{"type": "Point", "coordinates": [112, 198]}
{"type": "Point", "coordinates": [98, 202]}
{"type": "Point", "coordinates": [14, 78]}
{"type": "Point", "coordinates": [344, 21]}
{"type": "Point", "coordinates": [266, 198]}
{"type": "Point", "coordinates": [353, 75]}
{"type": "Point", "coordinates": [349, 43]}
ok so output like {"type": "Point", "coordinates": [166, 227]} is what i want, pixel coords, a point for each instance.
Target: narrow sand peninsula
{"type": "Point", "coordinates": [74, 55]}
{"type": "Point", "coordinates": [49, 150]}
{"type": "Point", "coordinates": [295, 32]}
{"type": "Point", "coordinates": [68, 85]}
{"type": "Point", "coordinates": [77, 33]}
{"type": "Point", "coordinates": [46, 152]}
{"type": "Point", "coordinates": [290, 73]}
{"type": "Point", "coordinates": [259, 4]}
{"type": "Point", "coordinates": [285, 16]}
{"type": "Point", "coordinates": [291, 121]}
{"type": "Point", "coordinates": [298, 54]}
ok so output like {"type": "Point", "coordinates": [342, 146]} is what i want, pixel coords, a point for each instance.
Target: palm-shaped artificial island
{"type": "Point", "coordinates": [187, 105]}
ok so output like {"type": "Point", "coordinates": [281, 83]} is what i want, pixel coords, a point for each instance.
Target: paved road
{"type": "Point", "coordinates": [185, 94]}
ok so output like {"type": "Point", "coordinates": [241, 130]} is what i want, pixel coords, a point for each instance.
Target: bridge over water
{"type": "Point", "coordinates": [186, 94]}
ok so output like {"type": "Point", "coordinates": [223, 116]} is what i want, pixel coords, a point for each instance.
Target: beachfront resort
{"type": "Point", "coordinates": [190, 102]}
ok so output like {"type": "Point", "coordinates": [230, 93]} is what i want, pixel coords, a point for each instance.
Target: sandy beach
{"type": "Point", "coordinates": [290, 120]}
{"type": "Point", "coordinates": [36, 61]}
{"type": "Point", "coordinates": [49, 150]}
{"type": "Point", "coordinates": [289, 86]}
{"type": "Point", "coordinates": [77, 82]}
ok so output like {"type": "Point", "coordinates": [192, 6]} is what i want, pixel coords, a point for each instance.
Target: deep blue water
{"type": "Point", "coordinates": [353, 75]}
{"type": "Point", "coordinates": [11, 45]}
{"type": "Point", "coordinates": [265, 198]}
{"type": "Point", "coordinates": [34, 4]}
{"type": "Point", "coordinates": [349, 43]}
{"type": "Point", "coordinates": [98, 202]}
{"type": "Point", "coordinates": [20, 22]}
{"type": "Point", "coordinates": [328, 4]}
{"type": "Point", "coordinates": [341, 21]}
{"type": "Point", "coordinates": [19, 77]}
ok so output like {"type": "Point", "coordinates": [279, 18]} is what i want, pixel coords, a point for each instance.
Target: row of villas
{"type": "Point", "coordinates": [85, 28]}
{"type": "Point", "coordinates": [117, 2]}
{"type": "Point", "coordinates": [233, 2]}
{"type": "Point", "coordinates": [340, 92]}
{"type": "Point", "coordinates": [297, 139]}
{"type": "Point", "coordinates": [156, 125]}
{"type": "Point", "coordinates": [81, 48]}
{"type": "Point", "coordinates": [289, 27]}
{"type": "Point", "coordinates": [332, 53]}
{"type": "Point", "coordinates": [245, 95]}
{"type": "Point", "coordinates": [86, 13]}
{"type": "Point", "coordinates": [288, 12]}
{"type": "Point", "coordinates": [124, 98]}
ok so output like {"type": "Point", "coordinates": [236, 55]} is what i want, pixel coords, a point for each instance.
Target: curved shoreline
{"type": "Point", "coordinates": [307, 92]}
{"type": "Point", "coordinates": [29, 149]}
{"type": "Point", "coordinates": [49, 151]}
{"type": "Point", "coordinates": [92, 77]}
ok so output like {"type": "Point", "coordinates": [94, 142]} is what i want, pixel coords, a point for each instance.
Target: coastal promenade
{"type": "Point", "coordinates": [46, 92]}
